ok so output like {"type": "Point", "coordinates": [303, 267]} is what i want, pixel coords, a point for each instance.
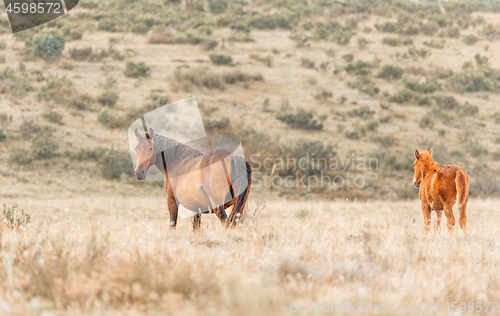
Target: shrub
{"type": "Point", "coordinates": [391, 41]}
{"type": "Point", "coordinates": [363, 112]}
{"type": "Point", "coordinates": [48, 44]}
{"type": "Point", "coordinates": [219, 125]}
{"type": "Point", "coordinates": [111, 121]}
{"type": "Point", "coordinates": [434, 44]}
{"type": "Point", "coordinates": [108, 97]}
{"type": "Point", "coordinates": [301, 119]}
{"type": "Point", "coordinates": [28, 128]}
{"type": "Point", "coordinates": [470, 39]}
{"type": "Point", "coordinates": [15, 216]}
{"type": "Point", "coordinates": [426, 121]}
{"type": "Point", "coordinates": [352, 135]}
{"type": "Point", "coordinates": [80, 54]}
{"type": "Point", "coordinates": [402, 96]}
{"type": "Point", "coordinates": [20, 156]}
{"type": "Point", "coordinates": [430, 85]}
{"type": "Point", "coordinates": [348, 57]}
{"type": "Point", "coordinates": [221, 59]}
{"type": "Point", "coordinates": [114, 163]}
{"type": "Point", "coordinates": [453, 32]}
{"type": "Point", "coordinates": [5, 119]}
{"type": "Point", "coordinates": [240, 37]}
{"type": "Point", "coordinates": [3, 45]}
{"type": "Point", "coordinates": [60, 90]}
{"type": "Point", "coordinates": [362, 42]}
{"type": "Point", "coordinates": [307, 63]}
{"type": "Point", "coordinates": [3, 137]}
{"type": "Point", "coordinates": [203, 78]}
{"type": "Point", "coordinates": [473, 80]}
{"type": "Point", "coordinates": [322, 94]}
{"type": "Point", "coordinates": [44, 145]}
{"type": "Point", "coordinates": [469, 109]}
{"type": "Point", "coordinates": [66, 64]}
{"type": "Point", "coordinates": [390, 72]}
{"type": "Point", "coordinates": [342, 37]}
{"type": "Point", "coordinates": [387, 27]}
{"type": "Point", "coordinates": [446, 102]}
{"type": "Point", "coordinates": [267, 61]}
{"type": "Point", "coordinates": [53, 116]}
{"type": "Point", "coordinates": [443, 73]}
{"type": "Point", "coordinates": [136, 70]}
{"type": "Point", "coordinates": [429, 28]}
{"type": "Point", "coordinates": [386, 141]}
{"type": "Point", "coordinates": [360, 68]}
{"type": "Point", "coordinates": [422, 53]}
{"type": "Point", "coordinates": [160, 39]}
{"type": "Point", "coordinates": [365, 85]}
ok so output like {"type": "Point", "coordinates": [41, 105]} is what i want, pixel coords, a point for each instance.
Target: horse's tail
{"type": "Point", "coordinates": [241, 179]}
{"type": "Point", "coordinates": [462, 183]}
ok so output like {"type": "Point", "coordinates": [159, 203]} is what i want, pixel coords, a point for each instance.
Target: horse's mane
{"type": "Point", "coordinates": [175, 151]}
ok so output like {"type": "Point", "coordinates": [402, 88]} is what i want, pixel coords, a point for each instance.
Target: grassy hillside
{"type": "Point", "coordinates": [346, 80]}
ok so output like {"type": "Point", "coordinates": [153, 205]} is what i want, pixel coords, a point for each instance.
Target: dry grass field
{"type": "Point", "coordinates": [356, 79]}
{"type": "Point", "coordinates": [105, 256]}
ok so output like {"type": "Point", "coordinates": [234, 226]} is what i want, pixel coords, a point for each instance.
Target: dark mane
{"type": "Point", "coordinates": [174, 152]}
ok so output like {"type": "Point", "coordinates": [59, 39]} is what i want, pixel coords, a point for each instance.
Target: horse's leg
{"type": "Point", "coordinates": [196, 221]}
{"type": "Point", "coordinates": [448, 211]}
{"type": "Point", "coordinates": [221, 214]}
{"type": "Point", "coordinates": [437, 227]}
{"type": "Point", "coordinates": [173, 210]}
{"type": "Point", "coordinates": [463, 216]}
{"type": "Point", "coordinates": [426, 211]}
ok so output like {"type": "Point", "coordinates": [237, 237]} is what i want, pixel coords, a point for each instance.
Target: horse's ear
{"type": "Point", "coordinates": [151, 133]}
{"type": "Point", "coordinates": [417, 154]}
{"type": "Point", "coordinates": [430, 152]}
{"type": "Point", "coordinates": [137, 134]}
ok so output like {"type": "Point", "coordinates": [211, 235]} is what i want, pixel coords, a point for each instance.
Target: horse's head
{"type": "Point", "coordinates": [423, 163]}
{"type": "Point", "coordinates": [144, 153]}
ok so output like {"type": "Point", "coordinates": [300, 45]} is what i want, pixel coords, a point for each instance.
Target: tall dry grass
{"type": "Point", "coordinates": [81, 256]}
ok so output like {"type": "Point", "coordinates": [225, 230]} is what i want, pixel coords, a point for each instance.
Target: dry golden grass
{"type": "Point", "coordinates": [117, 256]}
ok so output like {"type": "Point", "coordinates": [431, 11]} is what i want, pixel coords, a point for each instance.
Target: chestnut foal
{"type": "Point", "coordinates": [440, 189]}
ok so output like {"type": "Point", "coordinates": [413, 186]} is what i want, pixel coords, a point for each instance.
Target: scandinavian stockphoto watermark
{"type": "Point", "coordinates": [363, 307]}
{"type": "Point", "coordinates": [311, 172]}
{"type": "Point", "coordinates": [381, 308]}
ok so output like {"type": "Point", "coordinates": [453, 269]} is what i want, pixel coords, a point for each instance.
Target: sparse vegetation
{"type": "Point", "coordinates": [300, 119]}
{"type": "Point", "coordinates": [48, 44]}
{"type": "Point", "coordinates": [391, 72]}
{"type": "Point", "coordinates": [353, 80]}
{"type": "Point", "coordinates": [221, 59]}
{"type": "Point", "coordinates": [136, 70]}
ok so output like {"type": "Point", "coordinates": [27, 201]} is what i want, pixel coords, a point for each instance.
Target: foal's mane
{"type": "Point", "coordinates": [175, 152]}
{"type": "Point", "coordinates": [428, 161]}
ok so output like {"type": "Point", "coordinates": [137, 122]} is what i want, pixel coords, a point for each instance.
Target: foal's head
{"type": "Point", "coordinates": [423, 165]}
{"type": "Point", "coordinates": [144, 153]}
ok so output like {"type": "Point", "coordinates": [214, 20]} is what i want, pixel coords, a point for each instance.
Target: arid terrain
{"type": "Point", "coordinates": [344, 81]}
{"type": "Point", "coordinates": [114, 256]}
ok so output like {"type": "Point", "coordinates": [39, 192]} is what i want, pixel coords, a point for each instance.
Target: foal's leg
{"type": "Point", "coordinates": [448, 211]}
{"type": "Point", "coordinates": [426, 211]}
{"type": "Point", "coordinates": [463, 216]}
{"type": "Point", "coordinates": [173, 210]}
{"type": "Point", "coordinates": [437, 227]}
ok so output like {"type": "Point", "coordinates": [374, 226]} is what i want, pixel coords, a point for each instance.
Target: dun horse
{"type": "Point", "coordinates": [440, 189]}
{"type": "Point", "coordinates": [209, 182]}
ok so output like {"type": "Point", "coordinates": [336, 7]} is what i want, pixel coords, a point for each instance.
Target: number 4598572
{"type": "Point", "coordinates": [33, 8]}
{"type": "Point", "coordinates": [477, 307]}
